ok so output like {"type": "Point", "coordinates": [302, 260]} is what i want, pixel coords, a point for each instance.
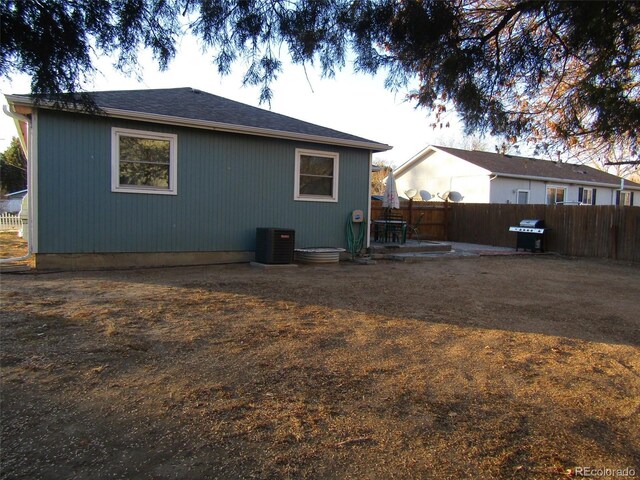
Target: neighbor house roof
{"type": "Point", "coordinates": [523, 167]}
{"type": "Point", "coordinates": [17, 193]}
{"type": "Point", "coordinates": [195, 108]}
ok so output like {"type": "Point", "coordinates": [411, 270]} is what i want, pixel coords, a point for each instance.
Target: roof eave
{"type": "Point", "coordinates": [242, 129]}
{"type": "Point", "coordinates": [418, 157]}
{"type": "Point", "coordinates": [566, 180]}
{"type": "Point", "coordinates": [422, 153]}
{"type": "Point", "coordinates": [409, 163]}
{"type": "Point", "coordinates": [217, 126]}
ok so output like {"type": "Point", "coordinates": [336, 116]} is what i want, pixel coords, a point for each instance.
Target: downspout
{"type": "Point", "coordinates": [22, 118]}
{"type": "Point", "coordinates": [368, 218]}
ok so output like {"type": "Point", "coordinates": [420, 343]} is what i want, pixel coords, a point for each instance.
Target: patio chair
{"type": "Point", "coordinates": [395, 228]}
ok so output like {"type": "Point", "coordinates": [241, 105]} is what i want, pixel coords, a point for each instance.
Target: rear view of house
{"type": "Point", "coordinates": [180, 176]}
{"type": "Point", "coordinates": [485, 177]}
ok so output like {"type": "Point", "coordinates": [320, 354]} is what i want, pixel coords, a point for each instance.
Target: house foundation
{"type": "Point", "coordinates": [105, 261]}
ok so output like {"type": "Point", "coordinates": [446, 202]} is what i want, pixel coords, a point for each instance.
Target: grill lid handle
{"type": "Point", "coordinates": [532, 223]}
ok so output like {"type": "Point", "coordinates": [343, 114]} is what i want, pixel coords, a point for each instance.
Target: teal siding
{"type": "Point", "coordinates": [228, 185]}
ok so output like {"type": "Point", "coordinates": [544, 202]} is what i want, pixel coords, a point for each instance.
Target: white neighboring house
{"type": "Point", "coordinates": [485, 177]}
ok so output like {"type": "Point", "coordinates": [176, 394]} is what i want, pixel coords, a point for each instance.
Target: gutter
{"type": "Point", "coordinates": [22, 118]}
{"type": "Point", "coordinates": [246, 130]}
{"type": "Point", "coordinates": [563, 180]}
{"type": "Point", "coordinates": [217, 126]}
{"type": "Point", "coordinates": [493, 175]}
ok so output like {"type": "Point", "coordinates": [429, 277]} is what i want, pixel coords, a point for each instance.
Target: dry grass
{"type": "Point", "coordinates": [476, 368]}
{"type": "Point", "coordinates": [12, 246]}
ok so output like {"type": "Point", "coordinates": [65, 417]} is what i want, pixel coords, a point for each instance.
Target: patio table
{"type": "Point", "coordinates": [383, 228]}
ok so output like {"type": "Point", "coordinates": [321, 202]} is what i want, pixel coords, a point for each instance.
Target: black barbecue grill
{"type": "Point", "coordinates": [530, 235]}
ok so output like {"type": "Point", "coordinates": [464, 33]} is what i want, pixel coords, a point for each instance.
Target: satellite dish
{"type": "Point", "coordinates": [454, 197]}
{"type": "Point", "coordinates": [410, 193]}
{"type": "Point", "coordinates": [426, 196]}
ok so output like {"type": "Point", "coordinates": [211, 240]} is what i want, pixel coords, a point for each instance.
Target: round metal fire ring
{"type": "Point", "coordinates": [319, 254]}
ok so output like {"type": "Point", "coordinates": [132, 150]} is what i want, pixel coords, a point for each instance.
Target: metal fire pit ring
{"type": "Point", "coordinates": [319, 254]}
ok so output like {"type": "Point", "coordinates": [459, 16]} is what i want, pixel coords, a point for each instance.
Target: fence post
{"type": "Point", "coordinates": [446, 219]}
{"type": "Point", "coordinates": [613, 239]}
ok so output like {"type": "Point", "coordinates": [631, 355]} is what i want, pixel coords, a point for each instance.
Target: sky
{"type": "Point", "coordinates": [353, 103]}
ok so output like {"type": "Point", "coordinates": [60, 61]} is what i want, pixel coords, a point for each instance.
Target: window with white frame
{"type": "Point", "coordinates": [316, 176]}
{"type": "Point", "coordinates": [143, 162]}
{"type": "Point", "coordinates": [586, 196]}
{"type": "Point", "coordinates": [523, 197]}
{"type": "Point", "coordinates": [556, 195]}
{"type": "Point", "coordinates": [625, 199]}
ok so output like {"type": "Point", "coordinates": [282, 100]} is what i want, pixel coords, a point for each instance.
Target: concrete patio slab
{"type": "Point", "coordinates": [414, 251]}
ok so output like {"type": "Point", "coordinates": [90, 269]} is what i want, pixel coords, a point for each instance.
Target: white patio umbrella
{"type": "Point", "coordinates": [390, 198]}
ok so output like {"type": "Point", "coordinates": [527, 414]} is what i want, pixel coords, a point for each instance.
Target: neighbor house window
{"type": "Point", "coordinates": [556, 195]}
{"type": "Point", "coordinates": [587, 196]}
{"type": "Point", "coordinates": [143, 162]}
{"type": "Point", "coordinates": [625, 198]}
{"type": "Point", "coordinates": [523, 197]}
{"type": "Point", "coordinates": [316, 176]}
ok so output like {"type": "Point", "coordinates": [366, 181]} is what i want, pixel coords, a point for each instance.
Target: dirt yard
{"type": "Point", "coordinates": [11, 246]}
{"type": "Point", "coordinates": [491, 367]}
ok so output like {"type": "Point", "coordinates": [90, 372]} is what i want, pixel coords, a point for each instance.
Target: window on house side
{"type": "Point", "coordinates": [556, 195]}
{"type": "Point", "coordinates": [523, 197]}
{"type": "Point", "coordinates": [316, 176]}
{"type": "Point", "coordinates": [587, 196]}
{"type": "Point", "coordinates": [143, 162]}
{"type": "Point", "coordinates": [625, 199]}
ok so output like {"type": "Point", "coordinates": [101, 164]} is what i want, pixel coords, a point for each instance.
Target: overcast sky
{"type": "Point", "coordinates": [353, 103]}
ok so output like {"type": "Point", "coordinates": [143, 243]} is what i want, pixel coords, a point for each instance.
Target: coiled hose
{"type": "Point", "coordinates": [355, 243]}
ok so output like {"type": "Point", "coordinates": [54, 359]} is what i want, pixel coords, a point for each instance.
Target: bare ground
{"type": "Point", "coordinates": [493, 367]}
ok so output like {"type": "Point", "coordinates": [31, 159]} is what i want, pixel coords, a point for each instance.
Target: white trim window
{"type": "Point", "coordinates": [556, 195]}
{"type": "Point", "coordinates": [143, 162]}
{"type": "Point", "coordinates": [586, 196]}
{"type": "Point", "coordinates": [625, 199]}
{"type": "Point", "coordinates": [316, 176]}
{"type": "Point", "coordinates": [522, 197]}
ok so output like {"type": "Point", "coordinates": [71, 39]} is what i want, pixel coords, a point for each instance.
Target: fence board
{"type": "Point", "coordinates": [433, 225]}
{"type": "Point", "coordinates": [9, 222]}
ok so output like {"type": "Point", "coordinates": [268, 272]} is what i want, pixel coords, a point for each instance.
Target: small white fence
{"type": "Point", "coordinates": [10, 222]}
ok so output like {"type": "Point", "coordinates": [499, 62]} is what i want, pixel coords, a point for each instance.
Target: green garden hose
{"type": "Point", "coordinates": [355, 245]}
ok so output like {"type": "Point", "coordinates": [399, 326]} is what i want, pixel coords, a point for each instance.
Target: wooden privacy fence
{"type": "Point", "coordinates": [9, 222]}
{"type": "Point", "coordinates": [576, 230]}
{"type": "Point", "coordinates": [432, 215]}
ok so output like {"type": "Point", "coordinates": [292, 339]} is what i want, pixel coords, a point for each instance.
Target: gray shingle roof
{"type": "Point", "coordinates": [533, 167]}
{"type": "Point", "coordinates": [195, 105]}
